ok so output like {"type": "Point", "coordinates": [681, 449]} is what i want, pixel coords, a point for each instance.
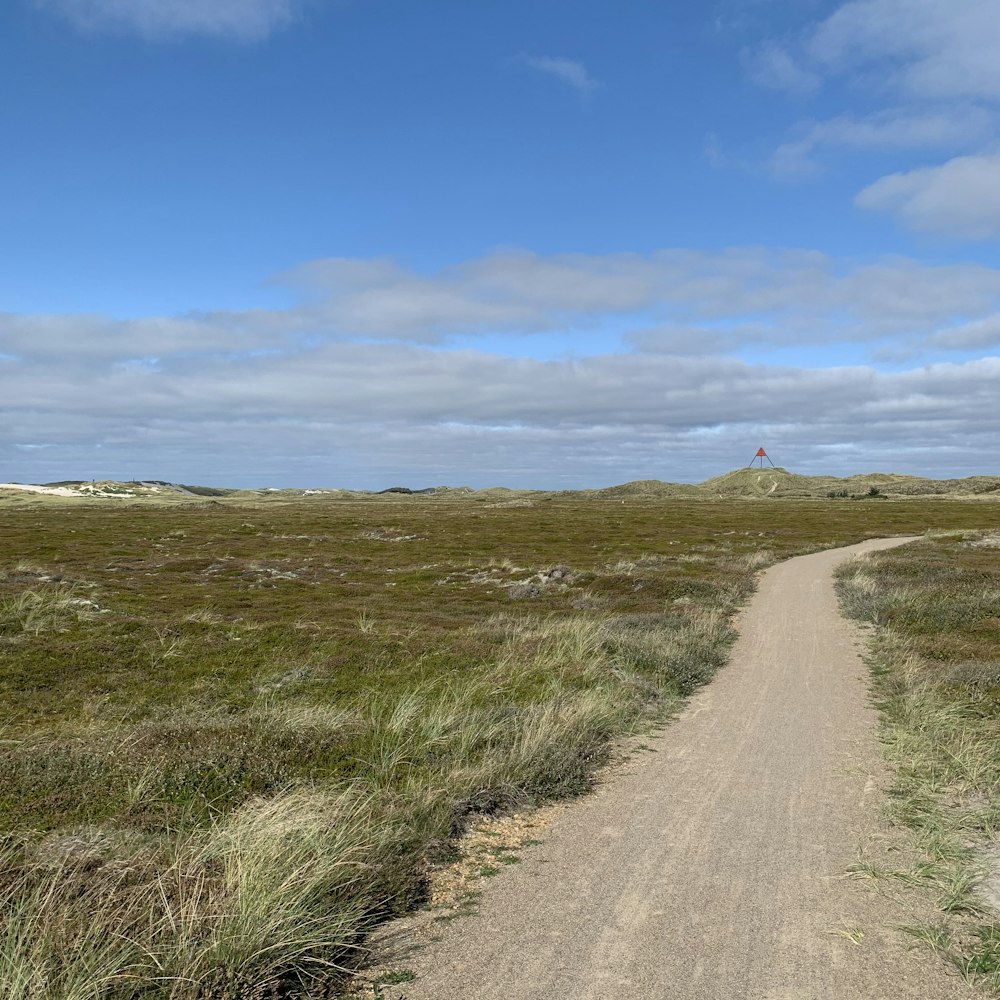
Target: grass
{"type": "Point", "coordinates": [935, 655]}
{"type": "Point", "coordinates": [240, 735]}
{"type": "Point", "coordinates": [851, 932]}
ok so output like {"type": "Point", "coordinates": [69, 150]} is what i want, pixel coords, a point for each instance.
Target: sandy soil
{"type": "Point", "coordinates": [51, 491]}
{"type": "Point", "coordinates": [712, 869]}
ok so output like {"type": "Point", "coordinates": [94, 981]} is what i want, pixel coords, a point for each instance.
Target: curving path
{"type": "Point", "coordinates": [713, 869]}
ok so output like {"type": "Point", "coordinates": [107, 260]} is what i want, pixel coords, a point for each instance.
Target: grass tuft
{"type": "Point", "coordinates": [935, 657]}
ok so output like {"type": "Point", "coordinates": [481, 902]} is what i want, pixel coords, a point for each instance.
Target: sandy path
{"type": "Point", "coordinates": [711, 870]}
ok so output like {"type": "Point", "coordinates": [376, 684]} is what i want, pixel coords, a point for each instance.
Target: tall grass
{"type": "Point", "coordinates": [935, 656]}
{"type": "Point", "coordinates": [277, 894]}
{"type": "Point", "coordinates": [43, 609]}
{"type": "Point", "coordinates": [269, 898]}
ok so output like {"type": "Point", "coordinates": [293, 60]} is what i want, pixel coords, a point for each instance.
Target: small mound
{"type": "Point", "coordinates": [645, 488]}
{"type": "Point", "coordinates": [757, 483]}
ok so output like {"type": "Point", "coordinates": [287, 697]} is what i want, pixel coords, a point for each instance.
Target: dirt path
{"type": "Point", "coordinates": [713, 868]}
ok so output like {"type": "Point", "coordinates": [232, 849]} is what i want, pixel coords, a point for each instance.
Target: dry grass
{"type": "Point", "coordinates": [45, 609]}
{"type": "Point", "coordinates": [935, 654]}
{"type": "Point", "coordinates": [216, 787]}
{"type": "Point", "coordinates": [268, 898]}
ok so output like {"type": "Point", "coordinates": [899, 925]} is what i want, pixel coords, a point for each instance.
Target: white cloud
{"type": "Point", "coordinates": [893, 129]}
{"type": "Point", "coordinates": [772, 66]}
{"type": "Point", "coordinates": [980, 334]}
{"type": "Point", "coordinates": [960, 198]}
{"type": "Point", "coordinates": [937, 57]}
{"type": "Point", "coordinates": [99, 340]}
{"type": "Point", "coordinates": [246, 398]}
{"type": "Point", "coordinates": [569, 71]}
{"type": "Point", "coordinates": [794, 293]}
{"type": "Point", "coordinates": [733, 298]}
{"type": "Point", "coordinates": [244, 20]}
{"type": "Point", "coordinates": [936, 48]}
{"type": "Point", "coordinates": [924, 49]}
{"type": "Point", "coordinates": [367, 414]}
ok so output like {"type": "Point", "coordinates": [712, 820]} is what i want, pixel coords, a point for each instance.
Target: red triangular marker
{"type": "Point", "coordinates": [761, 454]}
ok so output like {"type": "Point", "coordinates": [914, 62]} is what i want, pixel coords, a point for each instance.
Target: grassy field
{"type": "Point", "coordinates": [238, 734]}
{"type": "Point", "coordinates": [935, 651]}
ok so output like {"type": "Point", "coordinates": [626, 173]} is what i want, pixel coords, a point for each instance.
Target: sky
{"type": "Point", "coordinates": [553, 244]}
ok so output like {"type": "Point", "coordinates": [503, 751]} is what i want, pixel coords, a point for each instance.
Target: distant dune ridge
{"type": "Point", "coordinates": [778, 482]}
{"type": "Point", "coordinates": [748, 483]}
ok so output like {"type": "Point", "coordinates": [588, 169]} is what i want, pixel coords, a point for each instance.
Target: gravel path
{"type": "Point", "coordinates": [713, 868]}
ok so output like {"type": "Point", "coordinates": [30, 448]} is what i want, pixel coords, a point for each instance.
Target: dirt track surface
{"type": "Point", "coordinates": [712, 869]}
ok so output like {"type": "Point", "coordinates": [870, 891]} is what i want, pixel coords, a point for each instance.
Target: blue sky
{"type": "Point", "coordinates": [358, 242]}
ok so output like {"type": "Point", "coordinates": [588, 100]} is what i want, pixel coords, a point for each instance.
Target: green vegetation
{"type": "Point", "coordinates": [872, 493]}
{"type": "Point", "coordinates": [780, 483]}
{"type": "Point", "coordinates": [935, 653]}
{"type": "Point", "coordinates": [748, 484]}
{"type": "Point", "coordinates": [237, 733]}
